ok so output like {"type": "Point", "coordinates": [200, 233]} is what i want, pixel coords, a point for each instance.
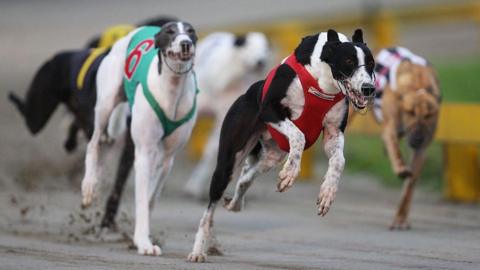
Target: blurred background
{"type": "Point", "coordinates": [446, 32]}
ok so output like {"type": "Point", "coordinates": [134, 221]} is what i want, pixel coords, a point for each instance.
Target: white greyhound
{"type": "Point", "coordinates": [154, 67]}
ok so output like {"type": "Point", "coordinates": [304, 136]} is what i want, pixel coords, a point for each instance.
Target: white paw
{"type": "Point", "coordinates": [149, 249]}
{"type": "Point", "coordinates": [287, 175]}
{"type": "Point", "coordinates": [88, 191]}
{"type": "Point", "coordinates": [231, 205]}
{"type": "Point", "coordinates": [197, 257]}
{"type": "Point", "coordinates": [326, 198]}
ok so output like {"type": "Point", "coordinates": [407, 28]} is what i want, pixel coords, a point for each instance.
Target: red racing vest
{"type": "Point", "coordinates": [317, 104]}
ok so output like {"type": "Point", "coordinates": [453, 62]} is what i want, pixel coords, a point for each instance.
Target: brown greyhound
{"type": "Point", "coordinates": [407, 105]}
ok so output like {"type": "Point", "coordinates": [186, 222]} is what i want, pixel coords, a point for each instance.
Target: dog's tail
{"type": "Point", "coordinates": [18, 102]}
{"type": "Point", "coordinates": [117, 123]}
{"type": "Point", "coordinates": [45, 93]}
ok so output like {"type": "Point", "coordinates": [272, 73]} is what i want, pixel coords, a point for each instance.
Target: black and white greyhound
{"type": "Point", "coordinates": [164, 95]}
{"type": "Point", "coordinates": [279, 117]}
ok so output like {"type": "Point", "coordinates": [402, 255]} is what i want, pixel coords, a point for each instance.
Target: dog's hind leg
{"type": "Point", "coordinates": [71, 142]}
{"type": "Point", "coordinates": [123, 170]}
{"type": "Point", "coordinates": [240, 133]}
{"type": "Point", "coordinates": [157, 184]}
{"type": "Point", "coordinates": [260, 160]}
{"type": "Point", "coordinates": [400, 222]}
{"type": "Point", "coordinates": [109, 86]}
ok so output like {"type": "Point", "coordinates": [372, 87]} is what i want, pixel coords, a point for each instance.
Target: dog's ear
{"type": "Point", "coordinates": [305, 49]}
{"type": "Point", "coordinates": [327, 51]}
{"type": "Point", "coordinates": [193, 37]}
{"type": "Point", "coordinates": [159, 65]}
{"type": "Point", "coordinates": [357, 36]}
{"type": "Point", "coordinates": [329, 46]}
{"type": "Point", "coordinates": [192, 34]}
{"type": "Point", "coordinates": [161, 39]}
{"type": "Point", "coordinates": [332, 36]}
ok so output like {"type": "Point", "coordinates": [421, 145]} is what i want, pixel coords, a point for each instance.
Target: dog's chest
{"type": "Point", "coordinates": [148, 126]}
{"type": "Point", "coordinates": [307, 103]}
{"type": "Point", "coordinates": [294, 99]}
{"type": "Point", "coordinates": [174, 94]}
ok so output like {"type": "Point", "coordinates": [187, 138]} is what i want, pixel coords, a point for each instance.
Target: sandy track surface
{"type": "Point", "coordinates": [45, 229]}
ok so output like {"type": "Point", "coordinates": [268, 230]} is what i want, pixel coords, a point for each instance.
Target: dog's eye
{"type": "Point", "coordinates": [349, 62]}
{"type": "Point", "coordinates": [429, 115]}
{"type": "Point", "coordinates": [190, 31]}
{"type": "Point", "coordinates": [170, 31]}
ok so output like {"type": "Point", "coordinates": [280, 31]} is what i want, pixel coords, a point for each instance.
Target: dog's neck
{"type": "Point", "coordinates": [321, 71]}
{"type": "Point", "coordinates": [174, 92]}
{"type": "Point", "coordinates": [323, 74]}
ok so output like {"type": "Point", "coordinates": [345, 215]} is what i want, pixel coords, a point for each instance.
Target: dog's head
{"type": "Point", "coordinates": [340, 64]}
{"type": "Point", "coordinates": [176, 44]}
{"type": "Point", "coordinates": [417, 90]}
{"type": "Point", "coordinates": [253, 50]}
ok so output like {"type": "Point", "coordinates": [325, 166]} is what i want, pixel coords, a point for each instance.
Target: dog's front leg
{"type": "Point", "coordinates": [333, 141]}
{"type": "Point", "coordinates": [400, 221]}
{"type": "Point", "coordinates": [147, 159]}
{"type": "Point", "coordinates": [390, 139]}
{"type": "Point", "coordinates": [109, 85]}
{"type": "Point", "coordinates": [296, 140]}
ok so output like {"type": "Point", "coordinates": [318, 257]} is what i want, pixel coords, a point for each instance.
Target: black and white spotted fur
{"type": "Point", "coordinates": [246, 147]}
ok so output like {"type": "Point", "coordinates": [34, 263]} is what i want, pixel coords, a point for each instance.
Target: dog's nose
{"type": "Point", "coordinates": [416, 140]}
{"type": "Point", "coordinates": [260, 65]}
{"type": "Point", "coordinates": [185, 45]}
{"type": "Point", "coordinates": [368, 89]}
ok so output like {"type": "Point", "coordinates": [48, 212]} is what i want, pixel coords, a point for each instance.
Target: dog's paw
{"type": "Point", "coordinates": [88, 192]}
{"type": "Point", "coordinates": [326, 198]}
{"type": "Point", "coordinates": [287, 176]}
{"type": "Point", "coordinates": [197, 257]}
{"type": "Point", "coordinates": [149, 249]}
{"type": "Point", "coordinates": [400, 224]}
{"type": "Point", "coordinates": [231, 205]}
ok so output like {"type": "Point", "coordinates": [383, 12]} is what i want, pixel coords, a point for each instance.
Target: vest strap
{"type": "Point", "coordinates": [169, 126]}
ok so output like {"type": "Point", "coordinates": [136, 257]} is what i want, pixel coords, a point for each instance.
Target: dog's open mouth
{"type": "Point", "coordinates": [357, 99]}
{"type": "Point", "coordinates": [179, 56]}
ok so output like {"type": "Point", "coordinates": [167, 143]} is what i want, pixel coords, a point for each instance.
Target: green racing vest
{"type": "Point", "coordinates": [140, 53]}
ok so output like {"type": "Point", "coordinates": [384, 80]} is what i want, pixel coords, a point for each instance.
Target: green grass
{"type": "Point", "coordinates": [459, 81]}
{"type": "Point", "coordinates": [367, 155]}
